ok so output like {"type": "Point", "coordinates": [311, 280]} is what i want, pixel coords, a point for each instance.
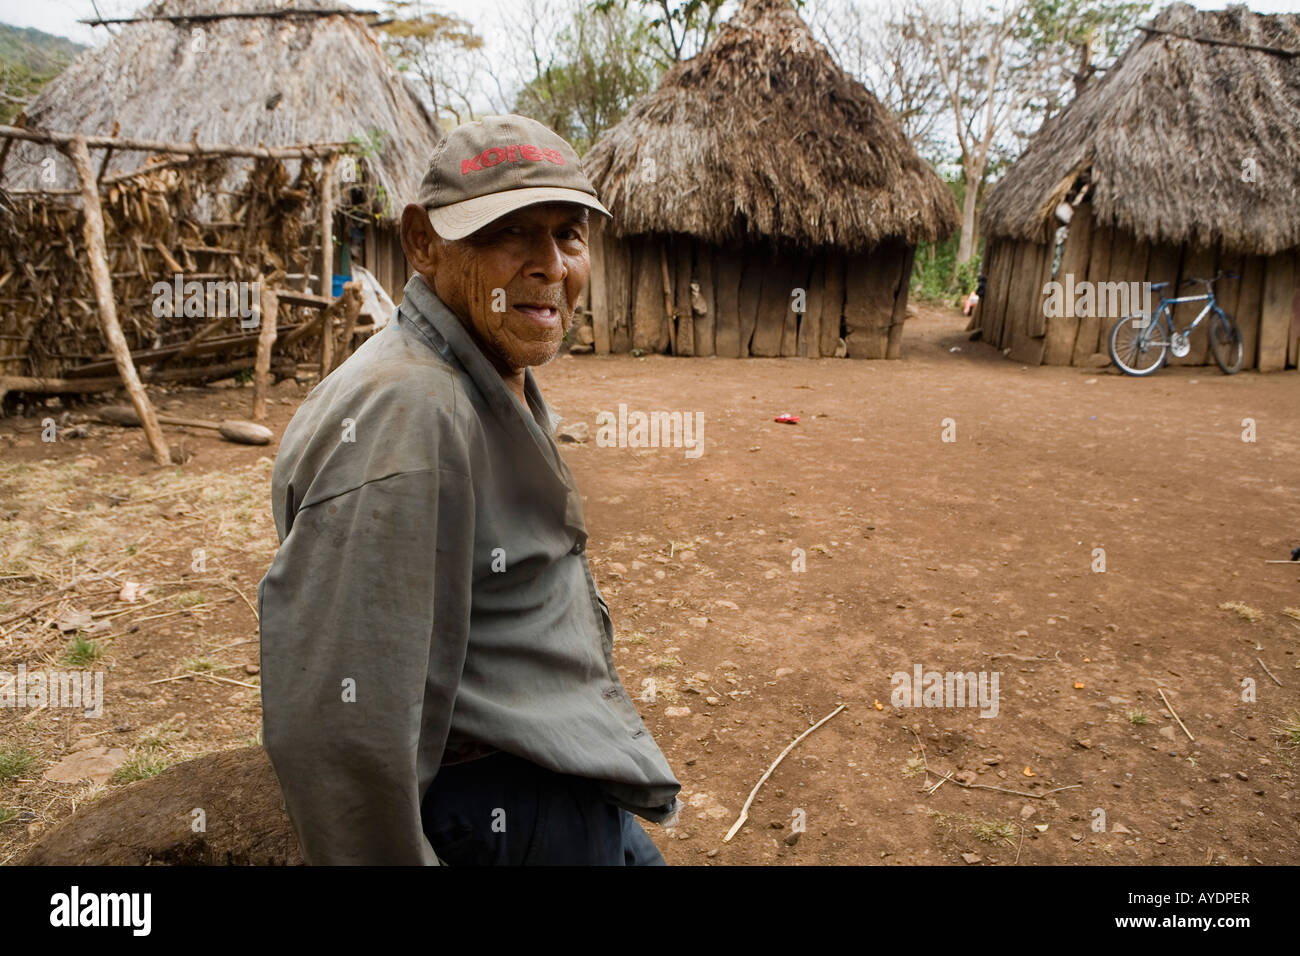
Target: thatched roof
{"type": "Point", "coordinates": [1163, 137]}
{"type": "Point", "coordinates": [763, 136]}
{"type": "Point", "coordinates": [269, 81]}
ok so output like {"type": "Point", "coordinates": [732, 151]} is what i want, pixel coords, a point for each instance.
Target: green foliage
{"type": "Point", "coordinates": [678, 29]}
{"type": "Point", "coordinates": [1065, 42]}
{"type": "Point", "coordinates": [14, 762]}
{"type": "Point", "coordinates": [603, 64]}
{"type": "Point", "coordinates": [936, 274]}
{"type": "Point", "coordinates": [140, 766]}
{"type": "Point", "coordinates": [82, 651]}
{"type": "Point", "coordinates": [29, 59]}
{"type": "Point", "coordinates": [370, 142]}
{"type": "Point", "coordinates": [436, 48]}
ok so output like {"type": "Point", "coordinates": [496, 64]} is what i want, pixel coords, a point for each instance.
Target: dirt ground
{"type": "Point", "coordinates": [978, 554]}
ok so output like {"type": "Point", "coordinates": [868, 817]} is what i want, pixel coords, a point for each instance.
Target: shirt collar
{"type": "Point", "coordinates": [452, 340]}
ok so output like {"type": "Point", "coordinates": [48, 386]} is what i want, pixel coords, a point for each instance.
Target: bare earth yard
{"type": "Point", "coordinates": [978, 554]}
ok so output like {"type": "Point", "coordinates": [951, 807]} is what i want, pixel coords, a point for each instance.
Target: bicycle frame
{"type": "Point", "coordinates": [1165, 308]}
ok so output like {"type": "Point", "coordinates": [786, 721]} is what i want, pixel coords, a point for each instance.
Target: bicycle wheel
{"type": "Point", "coordinates": [1225, 343]}
{"type": "Point", "coordinates": [1138, 346]}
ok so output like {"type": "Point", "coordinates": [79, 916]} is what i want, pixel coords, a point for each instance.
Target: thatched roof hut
{"type": "Point", "coordinates": [1183, 160]}
{"type": "Point", "coordinates": [292, 75]}
{"type": "Point", "coordinates": [757, 169]}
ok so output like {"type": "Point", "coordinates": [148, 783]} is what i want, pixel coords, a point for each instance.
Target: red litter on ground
{"type": "Point", "coordinates": [787, 419]}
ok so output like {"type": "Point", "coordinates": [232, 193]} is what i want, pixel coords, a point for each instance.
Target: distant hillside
{"type": "Point", "coordinates": [29, 58]}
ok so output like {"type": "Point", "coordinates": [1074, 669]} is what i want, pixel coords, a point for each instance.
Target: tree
{"type": "Point", "coordinates": [872, 47]}
{"type": "Point", "coordinates": [679, 28]}
{"type": "Point", "coordinates": [1006, 69]}
{"type": "Point", "coordinates": [971, 54]}
{"type": "Point", "coordinates": [1066, 43]}
{"type": "Point", "coordinates": [584, 80]}
{"type": "Point", "coordinates": [436, 48]}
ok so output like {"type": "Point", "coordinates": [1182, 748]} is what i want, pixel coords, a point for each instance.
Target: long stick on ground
{"type": "Point", "coordinates": [1269, 672]}
{"type": "Point", "coordinates": [744, 811]}
{"type": "Point", "coordinates": [1160, 690]}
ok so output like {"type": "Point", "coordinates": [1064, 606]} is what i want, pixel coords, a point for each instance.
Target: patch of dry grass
{"type": "Point", "coordinates": [1243, 611]}
{"type": "Point", "coordinates": [74, 533]}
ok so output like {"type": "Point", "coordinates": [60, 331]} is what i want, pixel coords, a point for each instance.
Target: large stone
{"type": "Point", "coordinates": [151, 822]}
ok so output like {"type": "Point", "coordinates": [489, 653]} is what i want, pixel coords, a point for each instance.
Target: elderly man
{"type": "Point", "coordinates": [438, 682]}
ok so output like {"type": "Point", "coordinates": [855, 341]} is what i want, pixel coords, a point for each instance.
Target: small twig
{"type": "Point", "coordinates": [35, 711]}
{"type": "Point", "coordinates": [181, 610]}
{"type": "Point", "coordinates": [1161, 691]}
{"type": "Point", "coordinates": [256, 616]}
{"type": "Point", "coordinates": [744, 811]}
{"type": "Point", "coordinates": [1022, 843]}
{"type": "Point", "coordinates": [203, 675]}
{"type": "Point", "coordinates": [1268, 672]}
{"type": "Point", "coordinates": [1242, 736]}
{"type": "Point", "coordinates": [1020, 657]}
{"type": "Point", "coordinates": [925, 764]}
{"type": "Point", "coordinates": [1015, 793]}
{"type": "Point", "coordinates": [247, 640]}
{"type": "Point", "coordinates": [227, 680]}
{"type": "Point", "coordinates": [133, 606]}
{"type": "Point", "coordinates": [1271, 561]}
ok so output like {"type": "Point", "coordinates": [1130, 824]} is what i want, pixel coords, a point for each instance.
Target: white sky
{"type": "Point", "coordinates": [60, 16]}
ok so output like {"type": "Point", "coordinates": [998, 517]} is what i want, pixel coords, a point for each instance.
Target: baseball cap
{"type": "Point", "coordinates": [489, 168]}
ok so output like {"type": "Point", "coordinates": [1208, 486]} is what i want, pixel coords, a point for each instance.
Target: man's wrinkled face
{"type": "Point", "coordinates": [516, 281]}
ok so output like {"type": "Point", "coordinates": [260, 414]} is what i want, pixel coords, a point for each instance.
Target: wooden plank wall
{"type": "Point", "coordinates": [385, 259]}
{"type": "Point", "coordinates": [871, 285]}
{"type": "Point", "coordinates": [1264, 300]}
{"type": "Point", "coordinates": [894, 346]}
{"type": "Point", "coordinates": [1034, 268]}
{"type": "Point", "coordinates": [1293, 350]}
{"type": "Point", "coordinates": [993, 307]}
{"type": "Point", "coordinates": [1277, 311]}
{"type": "Point", "coordinates": [745, 302]}
{"type": "Point", "coordinates": [704, 302]}
{"type": "Point", "coordinates": [1062, 331]}
{"type": "Point", "coordinates": [1197, 263]}
{"type": "Point", "coordinates": [598, 288]}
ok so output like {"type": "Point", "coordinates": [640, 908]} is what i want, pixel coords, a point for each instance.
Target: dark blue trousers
{"type": "Point", "coordinates": [502, 810]}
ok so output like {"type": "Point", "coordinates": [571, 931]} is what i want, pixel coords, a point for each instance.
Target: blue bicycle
{"type": "Point", "coordinates": [1140, 345]}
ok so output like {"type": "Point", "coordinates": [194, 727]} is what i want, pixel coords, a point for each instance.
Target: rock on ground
{"type": "Point", "coordinates": [149, 822]}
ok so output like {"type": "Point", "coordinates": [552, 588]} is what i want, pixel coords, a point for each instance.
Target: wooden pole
{"type": "Point", "coordinates": [96, 249]}
{"type": "Point", "coordinates": [352, 300]}
{"type": "Point", "coordinates": [184, 149]}
{"type": "Point", "coordinates": [266, 338]}
{"type": "Point", "coordinates": [668, 297]}
{"type": "Point", "coordinates": [327, 261]}
{"type": "Point", "coordinates": [56, 386]}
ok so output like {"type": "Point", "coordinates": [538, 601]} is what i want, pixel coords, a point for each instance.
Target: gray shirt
{"type": "Point", "coordinates": [432, 579]}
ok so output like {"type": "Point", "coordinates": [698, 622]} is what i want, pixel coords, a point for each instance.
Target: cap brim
{"type": "Point", "coordinates": [463, 218]}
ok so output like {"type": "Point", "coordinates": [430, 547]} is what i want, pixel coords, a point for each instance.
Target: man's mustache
{"type": "Point", "coordinates": [554, 300]}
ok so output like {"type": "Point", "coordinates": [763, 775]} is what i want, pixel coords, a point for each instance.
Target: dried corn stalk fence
{"type": "Point", "coordinates": [184, 270]}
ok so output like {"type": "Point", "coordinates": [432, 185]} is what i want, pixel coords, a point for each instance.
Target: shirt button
{"type": "Point", "coordinates": [578, 547]}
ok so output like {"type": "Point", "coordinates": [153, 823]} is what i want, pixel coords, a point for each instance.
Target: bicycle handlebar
{"type": "Point", "coordinates": [1209, 282]}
